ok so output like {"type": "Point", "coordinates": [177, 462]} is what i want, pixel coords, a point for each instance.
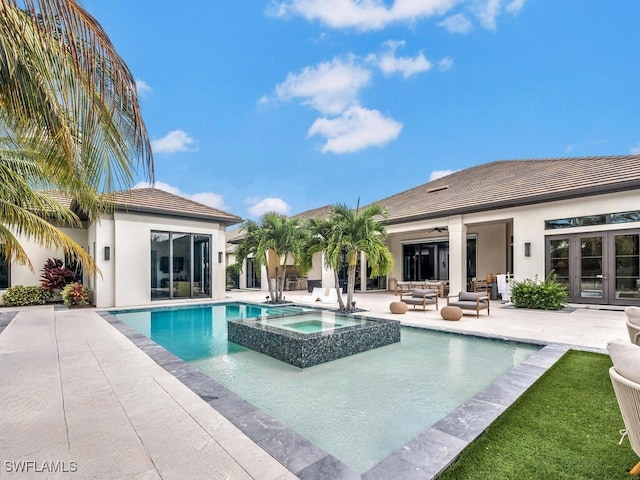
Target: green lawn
{"type": "Point", "coordinates": [564, 427]}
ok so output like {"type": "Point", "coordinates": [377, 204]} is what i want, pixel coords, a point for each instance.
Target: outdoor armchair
{"type": "Point", "coordinates": [633, 324]}
{"type": "Point", "coordinates": [625, 378]}
{"type": "Point", "coordinates": [475, 301]}
{"type": "Point", "coordinates": [420, 298]}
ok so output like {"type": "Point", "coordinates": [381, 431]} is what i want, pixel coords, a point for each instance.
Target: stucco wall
{"type": "Point", "coordinates": [23, 275]}
{"type": "Point", "coordinates": [131, 255]}
{"type": "Point", "coordinates": [526, 224]}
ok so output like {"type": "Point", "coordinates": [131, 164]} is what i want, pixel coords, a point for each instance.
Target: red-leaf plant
{"type": "Point", "coordinates": [55, 275]}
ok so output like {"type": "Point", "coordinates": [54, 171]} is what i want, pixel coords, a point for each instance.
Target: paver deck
{"type": "Point", "coordinates": [78, 394]}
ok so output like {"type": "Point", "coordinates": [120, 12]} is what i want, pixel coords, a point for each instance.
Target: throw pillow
{"type": "Point", "coordinates": [626, 358]}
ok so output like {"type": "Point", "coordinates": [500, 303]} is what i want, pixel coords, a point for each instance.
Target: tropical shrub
{"type": "Point", "coordinates": [19, 295]}
{"type": "Point", "coordinates": [75, 295]}
{"type": "Point", "coordinates": [55, 274]}
{"type": "Point", "coordinates": [546, 295]}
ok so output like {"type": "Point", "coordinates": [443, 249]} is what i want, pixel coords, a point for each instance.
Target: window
{"type": "Point", "coordinates": [4, 272]}
{"type": "Point", "coordinates": [180, 265]}
{"type": "Point", "coordinates": [620, 217]}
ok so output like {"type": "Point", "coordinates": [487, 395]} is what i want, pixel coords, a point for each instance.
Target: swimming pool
{"type": "Point", "coordinates": [359, 408]}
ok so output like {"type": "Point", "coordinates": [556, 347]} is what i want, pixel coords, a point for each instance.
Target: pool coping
{"type": "Point", "coordinates": [423, 458]}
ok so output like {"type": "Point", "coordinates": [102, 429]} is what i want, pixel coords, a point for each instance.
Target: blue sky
{"type": "Point", "coordinates": [289, 105]}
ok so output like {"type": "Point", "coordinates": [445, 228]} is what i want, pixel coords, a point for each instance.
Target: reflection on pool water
{"type": "Point", "coordinates": [359, 408]}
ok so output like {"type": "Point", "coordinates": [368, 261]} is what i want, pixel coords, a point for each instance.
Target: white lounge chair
{"type": "Point", "coordinates": [316, 294]}
{"type": "Point", "coordinates": [633, 323]}
{"type": "Point", "coordinates": [625, 377]}
{"type": "Point", "coordinates": [332, 297]}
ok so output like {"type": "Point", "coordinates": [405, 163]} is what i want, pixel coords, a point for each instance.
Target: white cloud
{"type": "Point", "coordinates": [364, 15]}
{"type": "Point", "coordinates": [445, 64]}
{"type": "Point", "coordinates": [174, 141]}
{"type": "Point", "coordinates": [389, 63]}
{"type": "Point", "coordinates": [142, 87]}
{"type": "Point", "coordinates": [214, 200]}
{"type": "Point", "coordinates": [487, 12]}
{"type": "Point", "coordinates": [263, 100]}
{"type": "Point", "coordinates": [360, 14]}
{"type": "Point", "coordinates": [515, 6]}
{"type": "Point", "coordinates": [265, 205]}
{"type": "Point", "coordinates": [436, 174]}
{"type": "Point", "coordinates": [356, 129]}
{"type": "Point", "coordinates": [329, 87]}
{"type": "Point", "coordinates": [635, 150]}
{"type": "Point", "coordinates": [457, 23]}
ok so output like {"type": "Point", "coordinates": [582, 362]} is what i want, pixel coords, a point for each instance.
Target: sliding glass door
{"type": "Point", "coordinates": [180, 265]}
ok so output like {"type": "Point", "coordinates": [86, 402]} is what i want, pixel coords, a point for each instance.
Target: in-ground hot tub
{"type": "Point", "coordinates": [312, 338]}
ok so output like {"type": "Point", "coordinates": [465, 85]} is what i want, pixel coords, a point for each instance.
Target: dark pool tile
{"type": "Point", "coordinates": [507, 389]}
{"type": "Point", "coordinates": [293, 451]}
{"type": "Point", "coordinates": [394, 467]}
{"type": "Point", "coordinates": [257, 425]}
{"type": "Point", "coordinates": [470, 419]}
{"type": "Point", "coordinates": [329, 468]}
{"type": "Point", "coordinates": [5, 319]}
{"type": "Point", "coordinates": [432, 451]}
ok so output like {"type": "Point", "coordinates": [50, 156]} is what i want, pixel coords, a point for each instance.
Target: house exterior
{"type": "Point", "coordinates": [578, 217]}
{"type": "Point", "coordinates": [152, 246]}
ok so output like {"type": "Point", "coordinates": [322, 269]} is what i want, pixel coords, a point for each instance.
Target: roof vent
{"type": "Point", "coordinates": [437, 189]}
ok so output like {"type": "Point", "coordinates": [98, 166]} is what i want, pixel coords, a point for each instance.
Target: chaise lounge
{"type": "Point", "coordinates": [475, 301]}
{"type": "Point", "coordinates": [420, 298]}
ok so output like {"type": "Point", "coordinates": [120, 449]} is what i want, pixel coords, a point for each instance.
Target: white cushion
{"type": "Point", "coordinates": [633, 315]}
{"type": "Point", "coordinates": [626, 358]}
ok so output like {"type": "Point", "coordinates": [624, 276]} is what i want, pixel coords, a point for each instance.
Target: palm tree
{"type": "Point", "coordinates": [272, 242]}
{"type": "Point", "coordinates": [354, 232]}
{"type": "Point", "coordinates": [68, 103]}
{"type": "Point", "coordinates": [319, 232]}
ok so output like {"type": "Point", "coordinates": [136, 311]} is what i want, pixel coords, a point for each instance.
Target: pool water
{"type": "Point", "coordinates": [311, 326]}
{"type": "Point", "coordinates": [360, 408]}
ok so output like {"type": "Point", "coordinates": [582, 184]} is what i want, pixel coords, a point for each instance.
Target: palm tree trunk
{"type": "Point", "coordinates": [337, 283]}
{"type": "Point", "coordinates": [284, 271]}
{"type": "Point", "coordinates": [351, 284]}
{"type": "Point", "coordinates": [271, 293]}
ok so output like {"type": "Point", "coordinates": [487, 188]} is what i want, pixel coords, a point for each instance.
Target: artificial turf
{"type": "Point", "coordinates": [566, 426]}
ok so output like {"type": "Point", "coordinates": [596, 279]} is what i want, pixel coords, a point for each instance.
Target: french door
{"type": "Point", "coordinates": [599, 267]}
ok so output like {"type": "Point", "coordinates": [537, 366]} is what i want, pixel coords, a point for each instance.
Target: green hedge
{"type": "Point", "coordinates": [19, 295]}
{"type": "Point", "coordinates": [547, 295]}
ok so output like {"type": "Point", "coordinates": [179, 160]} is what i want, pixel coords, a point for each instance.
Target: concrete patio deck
{"type": "Point", "coordinates": [79, 400]}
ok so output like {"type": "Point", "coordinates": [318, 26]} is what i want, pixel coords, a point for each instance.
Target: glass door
{"type": "Point", "coordinates": [626, 287]}
{"type": "Point", "coordinates": [591, 274]}
{"type": "Point", "coordinates": [601, 268]}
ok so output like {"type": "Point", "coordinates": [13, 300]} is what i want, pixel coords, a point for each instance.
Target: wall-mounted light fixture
{"type": "Point", "coordinates": [527, 249]}
{"type": "Point", "coordinates": [220, 258]}
{"type": "Point", "coordinates": [107, 253]}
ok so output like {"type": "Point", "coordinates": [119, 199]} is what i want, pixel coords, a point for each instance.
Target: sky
{"type": "Point", "coordinates": [289, 105]}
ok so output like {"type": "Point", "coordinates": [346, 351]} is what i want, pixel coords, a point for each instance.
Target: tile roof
{"type": "Point", "coordinates": [508, 183]}
{"type": "Point", "coordinates": [156, 201]}
{"type": "Point", "coordinates": [320, 212]}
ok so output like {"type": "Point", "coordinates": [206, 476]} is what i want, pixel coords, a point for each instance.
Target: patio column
{"type": "Point", "coordinates": [457, 255]}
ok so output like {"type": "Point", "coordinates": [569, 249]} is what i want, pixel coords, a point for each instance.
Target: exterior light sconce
{"type": "Point", "coordinates": [220, 258]}
{"type": "Point", "coordinates": [527, 249]}
{"type": "Point", "coordinates": [107, 253]}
